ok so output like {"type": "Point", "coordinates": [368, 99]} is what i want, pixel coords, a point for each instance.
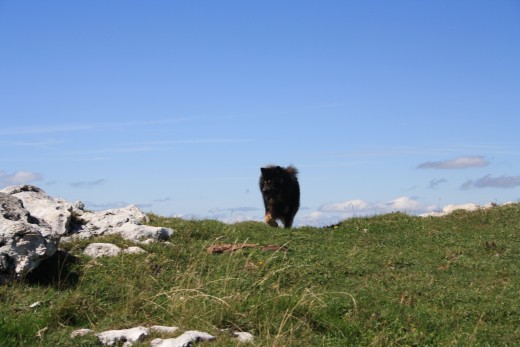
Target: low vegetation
{"type": "Point", "coordinates": [390, 280]}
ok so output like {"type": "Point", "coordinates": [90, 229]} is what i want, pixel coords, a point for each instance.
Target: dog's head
{"type": "Point", "coordinates": [272, 179]}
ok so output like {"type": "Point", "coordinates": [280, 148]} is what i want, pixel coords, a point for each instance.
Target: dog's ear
{"type": "Point", "coordinates": [264, 170]}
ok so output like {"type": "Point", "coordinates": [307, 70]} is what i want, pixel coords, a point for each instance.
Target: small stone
{"type": "Point", "coordinates": [35, 304]}
{"type": "Point", "coordinates": [243, 337]}
{"type": "Point", "coordinates": [134, 250]}
{"type": "Point", "coordinates": [163, 329]}
{"type": "Point", "coordinates": [96, 250]}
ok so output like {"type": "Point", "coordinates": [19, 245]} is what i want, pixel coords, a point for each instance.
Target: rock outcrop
{"type": "Point", "coordinates": [33, 223]}
{"type": "Point", "coordinates": [126, 222]}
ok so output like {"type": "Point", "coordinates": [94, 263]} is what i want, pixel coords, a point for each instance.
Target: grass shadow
{"type": "Point", "coordinates": [59, 271]}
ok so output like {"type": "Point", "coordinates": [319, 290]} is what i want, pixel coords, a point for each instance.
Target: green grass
{"type": "Point", "coordinates": [390, 280]}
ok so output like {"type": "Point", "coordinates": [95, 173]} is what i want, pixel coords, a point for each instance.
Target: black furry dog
{"type": "Point", "coordinates": [281, 193]}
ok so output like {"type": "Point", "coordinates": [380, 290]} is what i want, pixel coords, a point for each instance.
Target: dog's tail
{"type": "Point", "coordinates": [292, 170]}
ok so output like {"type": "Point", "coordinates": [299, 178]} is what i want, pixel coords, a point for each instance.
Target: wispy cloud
{"type": "Point", "coordinates": [87, 184]}
{"type": "Point", "coordinates": [162, 200]}
{"type": "Point", "coordinates": [99, 126]}
{"type": "Point", "coordinates": [504, 182]}
{"type": "Point", "coordinates": [116, 204]}
{"type": "Point", "coordinates": [195, 141]}
{"type": "Point", "coordinates": [436, 182]}
{"type": "Point", "coordinates": [36, 144]}
{"type": "Point", "coordinates": [46, 129]}
{"type": "Point", "coordinates": [106, 206]}
{"type": "Point", "coordinates": [457, 163]}
{"type": "Point", "coordinates": [109, 150]}
{"type": "Point", "coordinates": [19, 177]}
{"type": "Point", "coordinates": [149, 146]}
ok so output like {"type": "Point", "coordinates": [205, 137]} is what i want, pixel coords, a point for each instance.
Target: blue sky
{"type": "Point", "coordinates": [175, 105]}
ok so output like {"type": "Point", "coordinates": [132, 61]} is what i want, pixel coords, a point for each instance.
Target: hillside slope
{"type": "Point", "coordinates": [385, 280]}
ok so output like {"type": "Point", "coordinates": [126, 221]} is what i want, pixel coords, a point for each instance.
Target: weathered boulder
{"type": "Point", "coordinates": [24, 240]}
{"type": "Point", "coordinates": [57, 213]}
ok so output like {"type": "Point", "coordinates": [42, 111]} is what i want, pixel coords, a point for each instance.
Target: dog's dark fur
{"type": "Point", "coordinates": [281, 193]}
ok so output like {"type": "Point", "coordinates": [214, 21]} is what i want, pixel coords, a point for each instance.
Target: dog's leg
{"type": "Point", "coordinates": [287, 222]}
{"type": "Point", "coordinates": [269, 220]}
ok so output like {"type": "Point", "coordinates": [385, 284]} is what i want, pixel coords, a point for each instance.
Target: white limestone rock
{"type": "Point", "coordinates": [127, 336]}
{"type": "Point", "coordinates": [56, 213]}
{"type": "Point", "coordinates": [184, 340]}
{"type": "Point", "coordinates": [96, 250]}
{"type": "Point", "coordinates": [244, 337]}
{"type": "Point", "coordinates": [32, 224]}
{"type": "Point", "coordinates": [126, 222]}
{"type": "Point", "coordinates": [24, 240]}
{"type": "Point", "coordinates": [66, 220]}
{"type": "Point", "coordinates": [163, 329]}
{"type": "Point", "coordinates": [81, 332]}
{"type": "Point", "coordinates": [134, 250]}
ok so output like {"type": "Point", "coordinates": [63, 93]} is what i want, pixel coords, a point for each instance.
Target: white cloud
{"type": "Point", "coordinates": [236, 214]}
{"type": "Point", "coordinates": [332, 213]}
{"type": "Point", "coordinates": [18, 178]}
{"type": "Point", "coordinates": [403, 204]}
{"type": "Point", "coordinates": [345, 207]}
{"type": "Point", "coordinates": [356, 207]}
{"type": "Point", "coordinates": [457, 163]}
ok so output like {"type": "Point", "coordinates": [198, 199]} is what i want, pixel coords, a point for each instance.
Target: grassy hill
{"type": "Point", "coordinates": [380, 281]}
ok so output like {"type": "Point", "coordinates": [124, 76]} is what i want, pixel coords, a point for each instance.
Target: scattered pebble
{"type": "Point", "coordinates": [164, 329]}
{"type": "Point", "coordinates": [35, 304]}
{"type": "Point", "coordinates": [243, 336]}
{"type": "Point", "coordinates": [80, 332]}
